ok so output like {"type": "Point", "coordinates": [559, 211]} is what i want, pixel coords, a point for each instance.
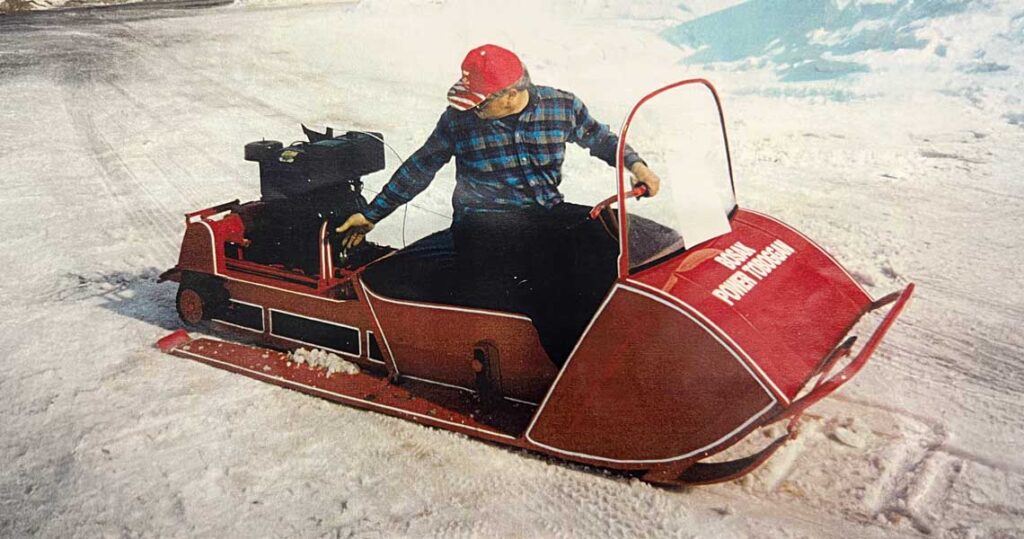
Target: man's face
{"type": "Point", "coordinates": [497, 106]}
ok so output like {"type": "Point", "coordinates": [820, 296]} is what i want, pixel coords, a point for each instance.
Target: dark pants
{"type": "Point", "coordinates": [554, 266]}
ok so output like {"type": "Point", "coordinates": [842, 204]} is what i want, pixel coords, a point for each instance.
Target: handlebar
{"type": "Point", "coordinates": [639, 191]}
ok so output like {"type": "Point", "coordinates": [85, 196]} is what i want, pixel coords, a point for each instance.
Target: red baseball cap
{"type": "Point", "coordinates": [485, 70]}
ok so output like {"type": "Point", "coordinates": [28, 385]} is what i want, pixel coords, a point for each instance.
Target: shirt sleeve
{"type": "Point", "coordinates": [596, 137]}
{"type": "Point", "coordinates": [415, 174]}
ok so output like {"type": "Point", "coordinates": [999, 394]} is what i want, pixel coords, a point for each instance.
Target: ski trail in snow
{"type": "Point", "coordinates": [118, 176]}
{"type": "Point", "coordinates": [916, 482]}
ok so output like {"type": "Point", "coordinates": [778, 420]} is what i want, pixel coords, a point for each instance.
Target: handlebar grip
{"type": "Point", "coordinates": [639, 191]}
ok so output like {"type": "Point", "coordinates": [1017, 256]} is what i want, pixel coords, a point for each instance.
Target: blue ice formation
{"type": "Point", "coordinates": [807, 39]}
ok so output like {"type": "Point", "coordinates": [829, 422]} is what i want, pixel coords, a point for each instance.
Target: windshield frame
{"type": "Point", "coordinates": [624, 188]}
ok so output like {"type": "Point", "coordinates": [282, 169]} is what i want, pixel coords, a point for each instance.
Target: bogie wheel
{"type": "Point", "coordinates": [191, 305]}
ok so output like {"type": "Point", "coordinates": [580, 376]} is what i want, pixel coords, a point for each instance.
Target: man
{"type": "Point", "coordinates": [517, 245]}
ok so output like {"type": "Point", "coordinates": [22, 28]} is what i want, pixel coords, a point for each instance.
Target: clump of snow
{"type": "Point", "coordinates": [848, 431]}
{"type": "Point", "coordinates": [323, 359]}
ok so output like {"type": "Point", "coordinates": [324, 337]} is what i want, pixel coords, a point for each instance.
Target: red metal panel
{"type": "Point", "coordinates": [197, 252]}
{"type": "Point", "coordinates": [647, 384]}
{"type": "Point", "coordinates": [230, 228]}
{"type": "Point", "coordinates": [436, 343]}
{"type": "Point", "coordinates": [786, 314]}
{"type": "Point", "coordinates": [349, 313]}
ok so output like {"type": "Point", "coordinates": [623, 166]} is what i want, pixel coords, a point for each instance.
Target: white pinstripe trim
{"type": "Point", "coordinates": [367, 293]}
{"type": "Point", "coordinates": [445, 307]}
{"type": "Point", "coordinates": [369, 334]}
{"type": "Point", "coordinates": [648, 461]}
{"type": "Point", "coordinates": [521, 401]}
{"type": "Point", "coordinates": [326, 265]}
{"type": "Point", "coordinates": [442, 384]}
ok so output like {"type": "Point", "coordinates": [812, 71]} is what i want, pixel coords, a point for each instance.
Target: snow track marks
{"type": "Point", "coordinates": [881, 466]}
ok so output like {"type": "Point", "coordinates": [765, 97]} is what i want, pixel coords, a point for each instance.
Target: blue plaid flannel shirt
{"type": "Point", "coordinates": [499, 168]}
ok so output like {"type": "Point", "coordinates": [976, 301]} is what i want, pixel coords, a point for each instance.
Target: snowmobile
{"type": "Point", "coordinates": [722, 320]}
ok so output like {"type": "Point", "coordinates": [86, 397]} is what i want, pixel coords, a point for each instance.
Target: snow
{"type": "Point", "coordinates": [890, 132]}
{"type": "Point", "coordinates": [333, 363]}
{"type": "Point", "coordinates": [42, 5]}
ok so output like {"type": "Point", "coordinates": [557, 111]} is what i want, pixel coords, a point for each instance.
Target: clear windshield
{"type": "Point", "coordinates": [678, 132]}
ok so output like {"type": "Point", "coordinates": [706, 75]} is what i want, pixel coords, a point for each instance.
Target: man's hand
{"type": "Point", "coordinates": [642, 174]}
{"type": "Point", "coordinates": [357, 225]}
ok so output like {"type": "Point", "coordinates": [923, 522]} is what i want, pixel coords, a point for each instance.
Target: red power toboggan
{"type": "Point", "coordinates": [724, 321]}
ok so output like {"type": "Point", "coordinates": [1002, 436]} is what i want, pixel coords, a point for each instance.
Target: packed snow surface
{"type": "Point", "coordinates": [21, 6]}
{"type": "Point", "coordinates": [887, 130]}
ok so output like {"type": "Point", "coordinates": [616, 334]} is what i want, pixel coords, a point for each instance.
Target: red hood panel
{"type": "Point", "coordinates": [778, 297]}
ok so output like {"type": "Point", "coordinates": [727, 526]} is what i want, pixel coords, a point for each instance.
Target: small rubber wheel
{"type": "Point", "coordinates": [191, 305]}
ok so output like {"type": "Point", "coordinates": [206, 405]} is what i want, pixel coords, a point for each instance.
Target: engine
{"type": "Point", "coordinates": [303, 184]}
{"type": "Point", "coordinates": [326, 166]}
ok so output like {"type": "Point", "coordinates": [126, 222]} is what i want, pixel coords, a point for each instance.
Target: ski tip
{"type": "Point", "coordinates": [174, 340]}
